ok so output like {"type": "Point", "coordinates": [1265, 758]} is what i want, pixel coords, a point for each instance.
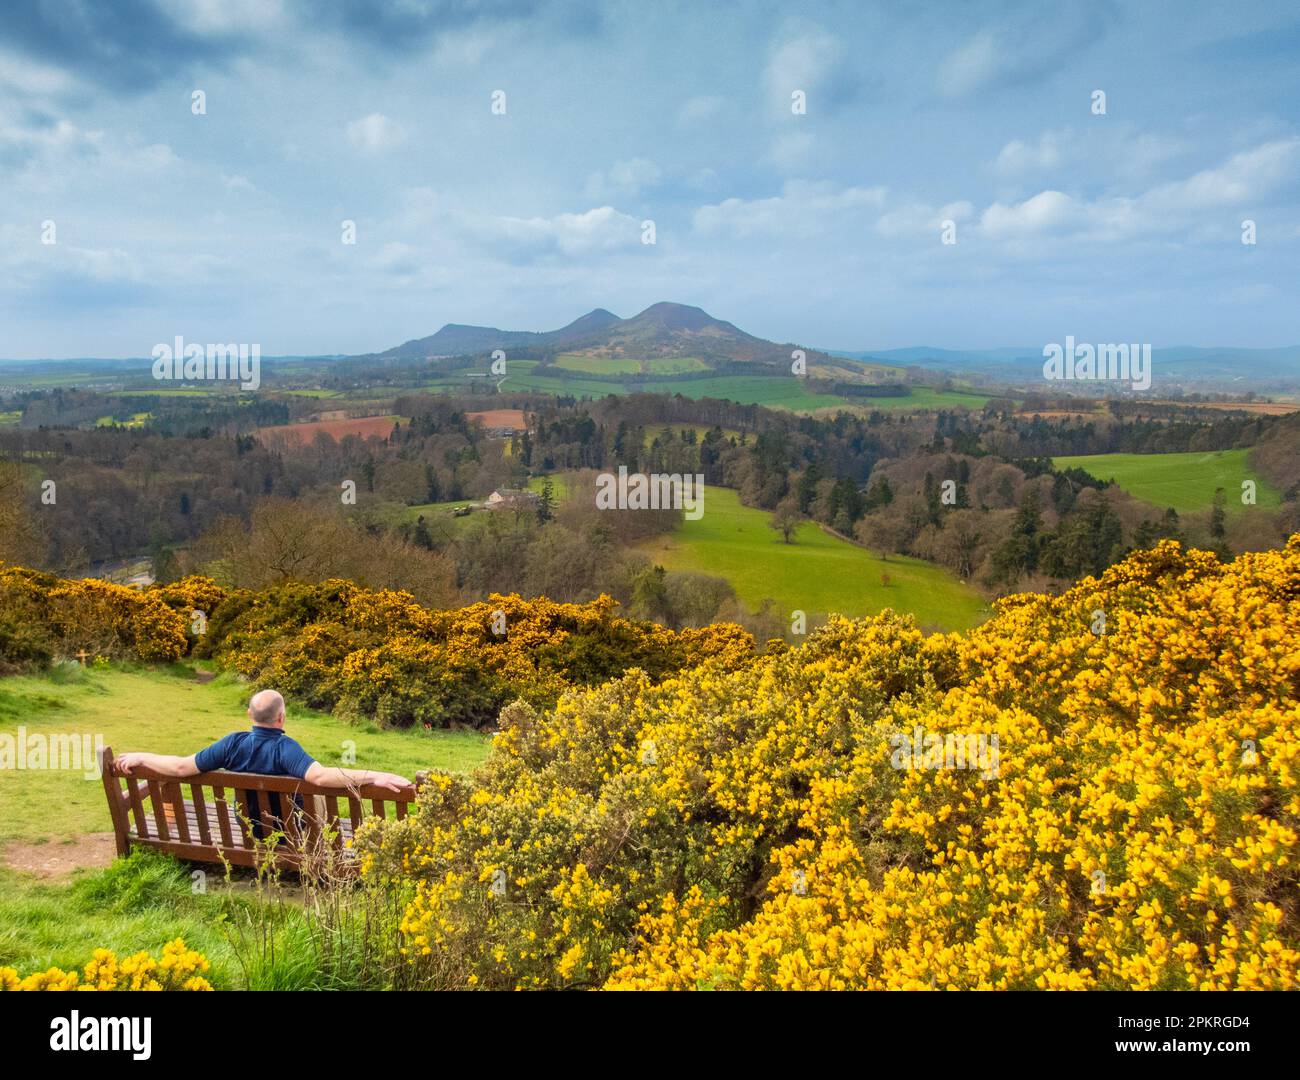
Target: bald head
{"type": "Point", "coordinates": [266, 708]}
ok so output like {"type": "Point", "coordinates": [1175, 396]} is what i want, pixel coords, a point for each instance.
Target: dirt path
{"type": "Point", "coordinates": [59, 859]}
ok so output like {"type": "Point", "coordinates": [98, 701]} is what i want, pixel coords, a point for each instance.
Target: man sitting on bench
{"type": "Point", "coordinates": [264, 749]}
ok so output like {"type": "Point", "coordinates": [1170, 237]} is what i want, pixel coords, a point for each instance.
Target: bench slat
{"type": "Point", "coordinates": [223, 816]}
{"type": "Point", "coordinates": [335, 820]}
{"type": "Point", "coordinates": [159, 817]}
{"type": "Point", "coordinates": [201, 813]}
{"type": "Point", "coordinates": [133, 789]}
{"type": "Point", "coordinates": [244, 817]}
{"type": "Point", "coordinates": [173, 793]}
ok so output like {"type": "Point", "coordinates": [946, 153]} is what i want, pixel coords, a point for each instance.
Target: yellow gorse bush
{"type": "Point", "coordinates": [363, 652]}
{"type": "Point", "coordinates": [179, 968]}
{"type": "Point", "coordinates": [746, 826]}
{"type": "Point", "coordinates": [59, 616]}
{"type": "Point", "coordinates": [380, 654]}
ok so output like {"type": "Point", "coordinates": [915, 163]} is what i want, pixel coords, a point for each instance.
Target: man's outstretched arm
{"type": "Point", "coordinates": [167, 764]}
{"type": "Point", "coordinates": [328, 776]}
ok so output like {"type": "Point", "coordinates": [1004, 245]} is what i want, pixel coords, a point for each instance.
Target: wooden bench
{"type": "Point", "coordinates": [215, 822]}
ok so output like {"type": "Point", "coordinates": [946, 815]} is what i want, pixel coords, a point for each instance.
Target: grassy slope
{"type": "Point", "coordinates": [817, 574]}
{"type": "Point", "coordinates": [166, 711]}
{"type": "Point", "coordinates": [1184, 481]}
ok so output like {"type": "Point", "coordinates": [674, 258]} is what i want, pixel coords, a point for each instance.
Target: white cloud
{"type": "Point", "coordinates": [624, 178]}
{"type": "Point", "coordinates": [62, 139]}
{"type": "Point", "coordinates": [1046, 212]}
{"type": "Point", "coordinates": [1049, 151]}
{"type": "Point", "coordinates": [227, 16]}
{"type": "Point", "coordinates": [1176, 206]}
{"type": "Point", "coordinates": [918, 219]}
{"type": "Point", "coordinates": [1027, 44]}
{"type": "Point", "coordinates": [1245, 176]}
{"type": "Point", "coordinates": [802, 209]}
{"type": "Point", "coordinates": [791, 151]}
{"type": "Point", "coordinates": [808, 59]}
{"type": "Point", "coordinates": [464, 48]}
{"type": "Point", "coordinates": [971, 66]}
{"type": "Point", "coordinates": [375, 134]}
{"type": "Point", "coordinates": [601, 229]}
{"type": "Point", "coordinates": [700, 109]}
{"type": "Point", "coordinates": [30, 77]}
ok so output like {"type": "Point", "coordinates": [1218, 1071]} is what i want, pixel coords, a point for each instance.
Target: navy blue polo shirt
{"type": "Point", "coordinates": [264, 750]}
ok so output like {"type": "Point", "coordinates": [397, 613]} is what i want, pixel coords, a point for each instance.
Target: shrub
{"type": "Point", "coordinates": [178, 968]}
{"type": "Point", "coordinates": [45, 616]}
{"type": "Point", "coordinates": [382, 655]}
{"type": "Point", "coordinates": [755, 827]}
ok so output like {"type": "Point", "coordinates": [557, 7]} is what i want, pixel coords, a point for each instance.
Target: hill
{"type": "Point", "coordinates": [663, 330]}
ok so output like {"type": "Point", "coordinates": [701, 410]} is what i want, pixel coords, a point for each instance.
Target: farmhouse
{"type": "Point", "coordinates": [511, 499]}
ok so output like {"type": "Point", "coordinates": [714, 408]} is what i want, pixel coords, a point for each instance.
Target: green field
{"type": "Point", "coordinates": [137, 420]}
{"type": "Point", "coordinates": [597, 365]}
{"type": "Point", "coordinates": [675, 365]}
{"type": "Point", "coordinates": [773, 391]}
{"type": "Point", "coordinates": [817, 573]}
{"type": "Point", "coordinates": [1185, 482]}
{"type": "Point", "coordinates": [925, 397]}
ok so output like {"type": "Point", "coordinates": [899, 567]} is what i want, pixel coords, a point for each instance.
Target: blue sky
{"type": "Point", "coordinates": [822, 228]}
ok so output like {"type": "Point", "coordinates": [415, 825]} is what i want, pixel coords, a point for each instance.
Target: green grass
{"type": "Point", "coordinates": [817, 573]}
{"type": "Point", "coordinates": [166, 711]}
{"type": "Point", "coordinates": [773, 391]}
{"type": "Point", "coordinates": [1185, 482]}
{"type": "Point", "coordinates": [675, 365]}
{"type": "Point", "coordinates": [925, 397]}
{"type": "Point", "coordinates": [597, 365]}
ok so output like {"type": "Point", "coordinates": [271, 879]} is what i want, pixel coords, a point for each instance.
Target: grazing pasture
{"type": "Point", "coordinates": [1186, 482]}
{"type": "Point", "coordinates": [818, 573]}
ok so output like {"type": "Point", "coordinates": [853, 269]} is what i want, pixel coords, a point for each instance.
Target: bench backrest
{"type": "Point", "coordinates": [222, 815]}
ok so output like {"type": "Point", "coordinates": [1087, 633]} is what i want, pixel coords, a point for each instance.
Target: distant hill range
{"type": "Point", "coordinates": [1278, 367]}
{"type": "Point", "coordinates": [661, 330]}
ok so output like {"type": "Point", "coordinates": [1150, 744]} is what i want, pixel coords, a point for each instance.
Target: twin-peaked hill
{"type": "Point", "coordinates": [661, 330]}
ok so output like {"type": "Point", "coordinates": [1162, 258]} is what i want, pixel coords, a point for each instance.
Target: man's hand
{"type": "Point", "coordinates": [391, 782]}
{"type": "Point", "coordinates": [126, 762]}
{"type": "Point", "coordinates": [330, 776]}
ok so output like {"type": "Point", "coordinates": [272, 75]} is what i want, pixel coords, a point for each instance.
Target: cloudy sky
{"type": "Point", "coordinates": [822, 228]}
